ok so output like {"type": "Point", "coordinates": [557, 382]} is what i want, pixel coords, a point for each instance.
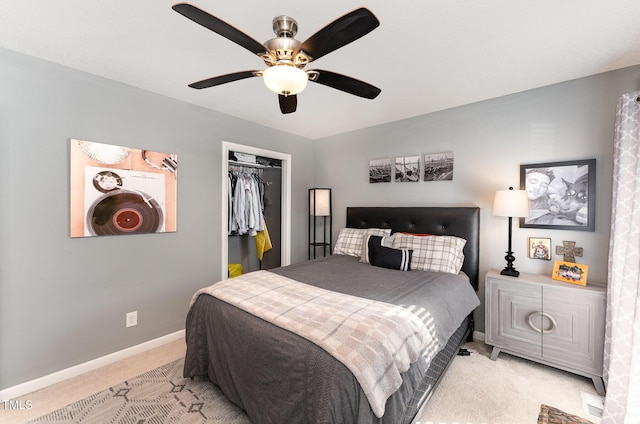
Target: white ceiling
{"type": "Point", "coordinates": [427, 55]}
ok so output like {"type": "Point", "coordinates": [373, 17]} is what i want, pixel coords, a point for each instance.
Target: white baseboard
{"type": "Point", "coordinates": [478, 336]}
{"type": "Point", "coordinates": [56, 377]}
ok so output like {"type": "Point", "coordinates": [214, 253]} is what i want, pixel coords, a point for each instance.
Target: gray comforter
{"type": "Point", "coordinates": [279, 377]}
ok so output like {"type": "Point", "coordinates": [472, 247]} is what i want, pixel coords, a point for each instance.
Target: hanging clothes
{"type": "Point", "coordinates": [247, 196]}
{"type": "Point", "coordinates": [246, 192]}
{"type": "Point", "coordinates": [263, 241]}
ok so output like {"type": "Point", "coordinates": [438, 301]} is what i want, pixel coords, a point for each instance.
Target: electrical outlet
{"type": "Point", "coordinates": [132, 319]}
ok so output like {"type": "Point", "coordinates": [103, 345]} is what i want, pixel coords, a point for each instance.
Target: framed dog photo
{"type": "Point", "coordinates": [540, 248]}
{"type": "Point", "coordinates": [562, 195]}
{"type": "Point", "coordinates": [570, 272]}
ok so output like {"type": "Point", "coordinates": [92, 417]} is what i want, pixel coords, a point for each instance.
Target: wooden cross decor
{"type": "Point", "coordinates": [569, 250]}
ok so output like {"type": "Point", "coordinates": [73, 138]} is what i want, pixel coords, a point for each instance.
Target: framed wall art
{"type": "Point", "coordinates": [561, 195]}
{"type": "Point", "coordinates": [540, 248]}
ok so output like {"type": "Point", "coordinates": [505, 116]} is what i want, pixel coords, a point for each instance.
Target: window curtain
{"type": "Point", "coordinates": [622, 337]}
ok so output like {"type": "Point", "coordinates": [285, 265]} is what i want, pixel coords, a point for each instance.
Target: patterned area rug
{"type": "Point", "coordinates": [551, 415]}
{"type": "Point", "coordinates": [161, 395]}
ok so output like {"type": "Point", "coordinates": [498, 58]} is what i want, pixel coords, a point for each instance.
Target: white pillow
{"type": "Point", "coordinates": [350, 240]}
{"type": "Point", "coordinates": [433, 253]}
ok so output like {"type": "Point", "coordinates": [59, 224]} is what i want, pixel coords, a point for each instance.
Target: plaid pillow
{"type": "Point", "coordinates": [433, 253]}
{"type": "Point", "coordinates": [350, 240]}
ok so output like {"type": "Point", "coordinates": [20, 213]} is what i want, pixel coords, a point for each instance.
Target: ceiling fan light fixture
{"type": "Point", "coordinates": [286, 80]}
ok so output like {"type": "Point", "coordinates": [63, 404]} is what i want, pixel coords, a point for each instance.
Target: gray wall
{"type": "Point", "coordinates": [490, 139]}
{"type": "Point", "coordinates": [63, 301]}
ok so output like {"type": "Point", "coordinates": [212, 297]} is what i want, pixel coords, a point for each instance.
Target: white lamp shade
{"type": "Point", "coordinates": [320, 198]}
{"type": "Point", "coordinates": [285, 79]}
{"type": "Point", "coordinates": [511, 203]}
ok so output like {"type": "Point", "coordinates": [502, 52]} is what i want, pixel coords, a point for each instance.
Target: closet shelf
{"type": "Point", "coordinates": [252, 165]}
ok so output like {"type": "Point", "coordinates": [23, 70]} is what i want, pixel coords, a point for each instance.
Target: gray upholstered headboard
{"type": "Point", "coordinates": [462, 222]}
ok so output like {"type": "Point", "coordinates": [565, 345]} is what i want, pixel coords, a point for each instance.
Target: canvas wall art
{"type": "Point", "coordinates": [438, 166]}
{"type": "Point", "coordinates": [116, 190]}
{"type": "Point", "coordinates": [380, 171]}
{"type": "Point", "coordinates": [407, 169]}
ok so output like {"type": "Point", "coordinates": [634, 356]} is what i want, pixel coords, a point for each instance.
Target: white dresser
{"type": "Point", "coordinates": [547, 321]}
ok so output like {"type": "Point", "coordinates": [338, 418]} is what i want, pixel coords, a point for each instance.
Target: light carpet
{"type": "Point", "coordinates": [510, 390]}
{"type": "Point", "coordinates": [475, 390]}
{"type": "Point", "coordinates": [161, 395]}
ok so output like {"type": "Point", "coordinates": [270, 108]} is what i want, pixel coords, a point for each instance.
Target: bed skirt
{"type": "Point", "coordinates": [436, 369]}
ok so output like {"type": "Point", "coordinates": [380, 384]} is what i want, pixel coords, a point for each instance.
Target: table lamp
{"type": "Point", "coordinates": [513, 204]}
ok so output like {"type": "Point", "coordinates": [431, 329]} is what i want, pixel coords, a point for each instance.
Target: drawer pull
{"type": "Point", "coordinates": [554, 324]}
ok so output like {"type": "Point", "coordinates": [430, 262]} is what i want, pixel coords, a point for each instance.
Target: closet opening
{"type": "Point", "coordinates": [264, 176]}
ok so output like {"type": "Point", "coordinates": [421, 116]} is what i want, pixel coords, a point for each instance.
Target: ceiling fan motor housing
{"type": "Point", "coordinates": [285, 26]}
{"type": "Point", "coordinates": [282, 49]}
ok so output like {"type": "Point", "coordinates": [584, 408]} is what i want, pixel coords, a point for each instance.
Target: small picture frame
{"type": "Point", "coordinates": [570, 272]}
{"type": "Point", "coordinates": [539, 248]}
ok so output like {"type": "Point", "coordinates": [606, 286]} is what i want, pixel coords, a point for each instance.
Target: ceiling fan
{"type": "Point", "coordinates": [286, 57]}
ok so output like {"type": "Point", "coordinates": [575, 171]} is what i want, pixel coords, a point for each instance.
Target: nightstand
{"type": "Point", "coordinates": [547, 321]}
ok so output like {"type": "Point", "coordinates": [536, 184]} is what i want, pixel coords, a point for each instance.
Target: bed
{"type": "Point", "coordinates": [278, 376]}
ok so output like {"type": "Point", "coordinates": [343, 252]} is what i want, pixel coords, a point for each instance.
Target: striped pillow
{"type": "Point", "coordinates": [387, 257]}
{"type": "Point", "coordinates": [387, 241]}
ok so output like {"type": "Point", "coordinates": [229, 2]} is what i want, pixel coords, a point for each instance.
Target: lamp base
{"type": "Point", "coordinates": [509, 269]}
{"type": "Point", "coordinates": [512, 272]}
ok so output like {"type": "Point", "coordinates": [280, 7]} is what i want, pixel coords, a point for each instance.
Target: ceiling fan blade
{"type": "Point", "coordinates": [223, 79]}
{"type": "Point", "coordinates": [339, 33]}
{"type": "Point", "coordinates": [220, 27]}
{"type": "Point", "coordinates": [288, 104]}
{"type": "Point", "coordinates": [344, 83]}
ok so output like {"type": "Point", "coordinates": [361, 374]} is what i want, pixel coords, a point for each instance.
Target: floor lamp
{"type": "Point", "coordinates": [513, 204]}
{"type": "Point", "coordinates": [319, 206]}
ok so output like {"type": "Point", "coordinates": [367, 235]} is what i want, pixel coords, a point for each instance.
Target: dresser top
{"type": "Point", "coordinates": [545, 279]}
